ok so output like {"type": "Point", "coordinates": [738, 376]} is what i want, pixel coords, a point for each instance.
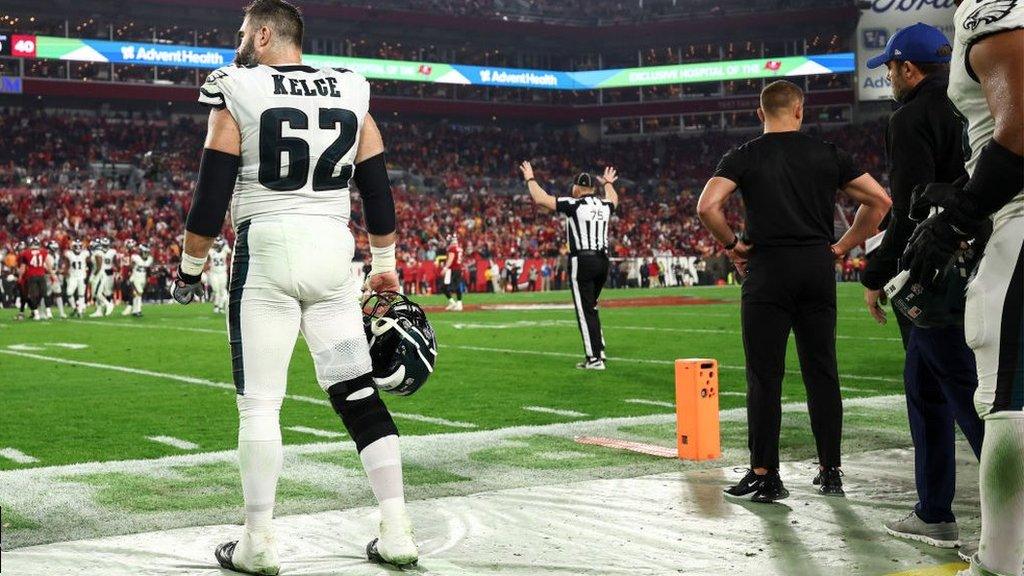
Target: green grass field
{"type": "Point", "coordinates": [98, 391]}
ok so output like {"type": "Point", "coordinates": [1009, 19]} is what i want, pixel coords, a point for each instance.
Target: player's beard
{"type": "Point", "coordinates": [246, 54]}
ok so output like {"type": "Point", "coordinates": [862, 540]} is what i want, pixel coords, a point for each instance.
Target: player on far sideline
{"type": "Point", "coordinates": [220, 255]}
{"type": "Point", "coordinates": [35, 267]}
{"type": "Point", "coordinates": [288, 186]}
{"type": "Point", "coordinates": [140, 263]}
{"type": "Point", "coordinates": [96, 252]}
{"type": "Point", "coordinates": [452, 273]}
{"type": "Point", "coordinates": [105, 285]}
{"type": "Point", "coordinates": [54, 285]}
{"type": "Point", "coordinates": [986, 84]}
{"type": "Point", "coordinates": [75, 271]}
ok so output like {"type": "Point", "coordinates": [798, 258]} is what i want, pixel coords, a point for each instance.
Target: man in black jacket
{"type": "Point", "coordinates": [924, 144]}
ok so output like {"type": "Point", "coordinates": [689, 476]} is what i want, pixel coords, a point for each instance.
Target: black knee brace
{"type": "Point", "coordinates": [367, 419]}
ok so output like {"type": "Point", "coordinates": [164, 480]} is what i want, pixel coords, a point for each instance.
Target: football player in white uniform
{"type": "Point", "coordinates": [283, 142]}
{"type": "Point", "coordinates": [140, 263]}
{"type": "Point", "coordinates": [54, 288]}
{"type": "Point", "coordinates": [105, 288]}
{"type": "Point", "coordinates": [96, 251]}
{"type": "Point", "coordinates": [75, 271]}
{"type": "Point", "coordinates": [220, 254]}
{"type": "Point", "coordinates": [986, 85]}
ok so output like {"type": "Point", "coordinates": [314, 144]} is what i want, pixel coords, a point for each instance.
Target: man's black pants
{"type": "Point", "coordinates": [588, 272]}
{"type": "Point", "coordinates": [791, 288]}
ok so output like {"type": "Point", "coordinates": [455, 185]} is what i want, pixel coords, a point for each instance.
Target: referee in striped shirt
{"type": "Point", "coordinates": [586, 228]}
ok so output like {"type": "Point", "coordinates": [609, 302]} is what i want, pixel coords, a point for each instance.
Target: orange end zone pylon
{"type": "Point", "coordinates": [698, 435]}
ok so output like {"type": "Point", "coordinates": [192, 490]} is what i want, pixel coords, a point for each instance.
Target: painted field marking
{"type": "Point", "coordinates": [173, 442]}
{"type": "Point", "coordinates": [608, 326]}
{"type": "Point", "coordinates": [731, 393]}
{"type": "Point", "coordinates": [315, 432]}
{"type": "Point", "coordinates": [640, 447]}
{"type": "Point", "coordinates": [640, 360]}
{"type": "Point", "coordinates": [505, 351]}
{"type": "Point", "coordinates": [649, 402]}
{"type": "Point", "coordinates": [558, 411]}
{"type": "Point", "coordinates": [859, 390]}
{"type": "Point", "coordinates": [18, 456]}
{"type": "Point", "coordinates": [222, 385]}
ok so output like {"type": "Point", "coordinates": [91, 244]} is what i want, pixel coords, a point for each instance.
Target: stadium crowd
{"type": "Point", "coordinates": [67, 176]}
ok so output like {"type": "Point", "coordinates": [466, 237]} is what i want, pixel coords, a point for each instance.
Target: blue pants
{"type": "Point", "coordinates": [940, 378]}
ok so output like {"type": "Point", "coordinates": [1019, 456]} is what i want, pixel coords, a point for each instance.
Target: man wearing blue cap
{"type": "Point", "coordinates": [924, 144]}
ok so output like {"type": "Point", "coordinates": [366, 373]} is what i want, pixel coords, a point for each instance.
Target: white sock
{"type": "Point", "coordinates": [382, 462]}
{"type": "Point", "coordinates": [60, 306]}
{"type": "Point", "coordinates": [137, 304]}
{"type": "Point", "coordinates": [1002, 496]}
{"type": "Point", "coordinates": [260, 456]}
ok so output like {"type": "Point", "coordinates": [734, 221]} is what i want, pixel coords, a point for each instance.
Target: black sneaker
{"type": "Point", "coordinates": [830, 482]}
{"type": "Point", "coordinates": [749, 484]}
{"type": "Point", "coordinates": [771, 489]}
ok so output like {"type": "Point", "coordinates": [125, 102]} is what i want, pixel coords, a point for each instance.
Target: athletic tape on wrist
{"type": "Point", "coordinates": [191, 265]}
{"type": "Point", "coordinates": [383, 259]}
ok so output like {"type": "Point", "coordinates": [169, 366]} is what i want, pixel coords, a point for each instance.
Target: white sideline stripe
{"type": "Point", "coordinates": [315, 432]}
{"type": "Point", "coordinates": [18, 456]}
{"type": "Point", "coordinates": [508, 350]}
{"type": "Point", "coordinates": [576, 427]}
{"type": "Point", "coordinates": [729, 393]}
{"type": "Point", "coordinates": [550, 323]}
{"type": "Point", "coordinates": [559, 411]}
{"type": "Point", "coordinates": [172, 441]}
{"type": "Point", "coordinates": [650, 402]}
{"type": "Point", "coordinates": [641, 360]}
{"type": "Point", "coordinates": [223, 385]}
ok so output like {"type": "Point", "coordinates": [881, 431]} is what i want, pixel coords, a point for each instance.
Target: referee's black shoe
{"type": "Point", "coordinates": [830, 482]}
{"type": "Point", "coordinates": [771, 489]}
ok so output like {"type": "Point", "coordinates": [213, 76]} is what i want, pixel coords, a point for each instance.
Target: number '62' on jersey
{"type": "Point", "coordinates": [299, 128]}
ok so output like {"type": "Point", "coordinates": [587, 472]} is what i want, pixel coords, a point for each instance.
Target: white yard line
{"type": "Point", "coordinates": [527, 352]}
{"type": "Point", "coordinates": [222, 385]}
{"type": "Point", "coordinates": [315, 432]}
{"type": "Point", "coordinates": [730, 393]}
{"type": "Point", "coordinates": [558, 411]}
{"type": "Point", "coordinates": [649, 402]}
{"type": "Point", "coordinates": [17, 456]}
{"type": "Point", "coordinates": [612, 326]}
{"type": "Point", "coordinates": [173, 442]}
{"type": "Point", "coordinates": [639, 360]}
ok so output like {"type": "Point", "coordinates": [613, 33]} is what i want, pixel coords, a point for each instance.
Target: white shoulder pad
{"type": "Point", "coordinates": [217, 88]}
{"type": "Point", "coordinates": [982, 18]}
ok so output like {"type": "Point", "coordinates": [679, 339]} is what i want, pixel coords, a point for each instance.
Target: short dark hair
{"type": "Point", "coordinates": [780, 95]}
{"type": "Point", "coordinates": [283, 17]}
{"type": "Point", "coordinates": [929, 68]}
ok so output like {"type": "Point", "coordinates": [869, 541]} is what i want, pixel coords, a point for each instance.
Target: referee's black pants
{"type": "Point", "coordinates": [791, 288]}
{"type": "Point", "coordinates": [588, 271]}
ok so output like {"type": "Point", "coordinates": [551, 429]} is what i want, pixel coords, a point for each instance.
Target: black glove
{"type": "Point", "coordinates": [187, 288]}
{"type": "Point", "coordinates": [937, 239]}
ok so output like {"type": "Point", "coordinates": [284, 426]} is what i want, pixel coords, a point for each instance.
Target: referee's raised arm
{"type": "Point", "coordinates": [539, 196]}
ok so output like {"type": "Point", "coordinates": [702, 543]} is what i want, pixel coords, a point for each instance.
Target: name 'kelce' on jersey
{"type": "Point", "coordinates": [299, 129]}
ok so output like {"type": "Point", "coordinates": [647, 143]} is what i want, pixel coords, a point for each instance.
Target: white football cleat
{"type": "Point", "coordinates": [395, 545]}
{"type": "Point", "coordinates": [255, 553]}
{"type": "Point", "coordinates": [458, 305]}
{"type": "Point", "coordinates": [127, 311]}
{"type": "Point", "coordinates": [450, 306]}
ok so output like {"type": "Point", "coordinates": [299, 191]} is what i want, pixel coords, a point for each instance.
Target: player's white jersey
{"type": "Point", "coordinates": [77, 263]}
{"type": "Point", "coordinates": [974, 20]}
{"type": "Point", "coordinates": [140, 265]}
{"type": "Point", "coordinates": [219, 260]}
{"type": "Point", "coordinates": [300, 128]}
{"type": "Point", "coordinates": [109, 260]}
{"type": "Point", "coordinates": [96, 257]}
